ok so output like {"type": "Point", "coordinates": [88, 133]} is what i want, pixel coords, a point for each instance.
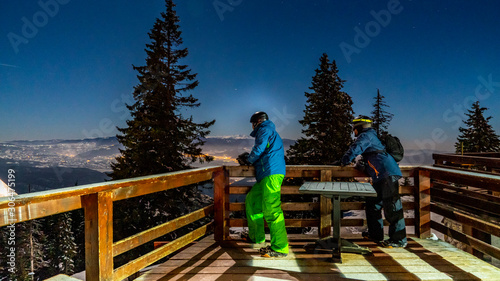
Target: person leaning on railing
{"type": "Point", "coordinates": [264, 199]}
{"type": "Point", "coordinates": [385, 174]}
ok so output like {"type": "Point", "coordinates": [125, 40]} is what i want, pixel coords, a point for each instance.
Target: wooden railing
{"type": "Point", "coordinates": [488, 162]}
{"type": "Point", "coordinates": [450, 190]}
{"type": "Point", "coordinates": [322, 207]}
{"type": "Point", "coordinates": [97, 202]}
{"type": "Point", "coordinates": [465, 198]}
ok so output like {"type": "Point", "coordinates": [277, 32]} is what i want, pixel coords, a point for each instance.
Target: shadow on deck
{"type": "Point", "coordinates": [423, 259]}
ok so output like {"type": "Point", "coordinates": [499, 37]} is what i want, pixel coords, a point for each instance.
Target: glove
{"type": "Point", "coordinates": [243, 159]}
{"type": "Point", "coordinates": [361, 165]}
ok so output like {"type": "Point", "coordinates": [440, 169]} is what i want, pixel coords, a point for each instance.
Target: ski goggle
{"type": "Point", "coordinates": [362, 120]}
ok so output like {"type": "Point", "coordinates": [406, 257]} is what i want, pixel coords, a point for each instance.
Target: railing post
{"type": "Point", "coordinates": [98, 236]}
{"type": "Point", "coordinates": [423, 203]}
{"type": "Point", "coordinates": [325, 206]}
{"type": "Point", "coordinates": [221, 204]}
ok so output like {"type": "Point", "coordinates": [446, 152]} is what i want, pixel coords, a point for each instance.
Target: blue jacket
{"type": "Point", "coordinates": [268, 154]}
{"type": "Point", "coordinates": [380, 165]}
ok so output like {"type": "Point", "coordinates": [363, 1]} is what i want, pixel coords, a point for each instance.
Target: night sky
{"type": "Point", "coordinates": [66, 65]}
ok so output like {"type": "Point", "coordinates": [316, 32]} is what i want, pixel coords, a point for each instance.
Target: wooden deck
{"type": "Point", "coordinates": [421, 260]}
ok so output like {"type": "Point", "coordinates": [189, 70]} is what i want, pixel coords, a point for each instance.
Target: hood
{"type": "Point", "coordinates": [267, 123]}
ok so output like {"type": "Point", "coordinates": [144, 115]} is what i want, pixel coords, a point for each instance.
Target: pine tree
{"type": "Point", "coordinates": [61, 246]}
{"type": "Point", "coordinates": [159, 138]}
{"type": "Point", "coordinates": [327, 119]}
{"type": "Point", "coordinates": [29, 250]}
{"type": "Point", "coordinates": [78, 227]}
{"type": "Point", "coordinates": [477, 135]}
{"type": "Point", "coordinates": [381, 118]}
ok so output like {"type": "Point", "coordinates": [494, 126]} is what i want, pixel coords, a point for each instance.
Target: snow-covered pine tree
{"type": "Point", "coordinates": [29, 250]}
{"type": "Point", "coordinates": [381, 117]}
{"type": "Point", "coordinates": [327, 119]}
{"type": "Point", "coordinates": [78, 228]}
{"type": "Point", "coordinates": [477, 135]}
{"type": "Point", "coordinates": [61, 248]}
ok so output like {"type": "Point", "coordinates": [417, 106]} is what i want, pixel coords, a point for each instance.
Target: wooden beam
{"type": "Point", "coordinates": [312, 171]}
{"type": "Point", "coordinates": [463, 218]}
{"type": "Point", "coordinates": [303, 174]}
{"type": "Point", "coordinates": [160, 230]}
{"type": "Point", "coordinates": [466, 169]}
{"type": "Point", "coordinates": [362, 222]}
{"type": "Point", "coordinates": [423, 202]}
{"type": "Point", "coordinates": [470, 178]}
{"type": "Point", "coordinates": [67, 192]}
{"type": "Point", "coordinates": [288, 222]}
{"type": "Point", "coordinates": [315, 222]}
{"type": "Point", "coordinates": [98, 236]}
{"type": "Point", "coordinates": [325, 209]}
{"type": "Point", "coordinates": [479, 206]}
{"type": "Point", "coordinates": [474, 159]}
{"type": "Point", "coordinates": [474, 192]}
{"type": "Point", "coordinates": [241, 171]}
{"type": "Point", "coordinates": [287, 206]}
{"type": "Point", "coordinates": [285, 189]}
{"type": "Point", "coordinates": [312, 206]}
{"type": "Point", "coordinates": [468, 240]}
{"type": "Point", "coordinates": [221, 204]}
{"type": "Point", "coordinates": [160, 184]}
{"type": "Point", "coordinates": [406, 189]}
{"type": "Point", "coordinates": [291, 189]}
{"type": "Point", "coordinates": [39, 210]}
{"type": "Point", "coordinates": [161, 252]}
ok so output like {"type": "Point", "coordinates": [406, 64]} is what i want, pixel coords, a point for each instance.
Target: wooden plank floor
{"type": "Point", "coordinates": [421, 260]}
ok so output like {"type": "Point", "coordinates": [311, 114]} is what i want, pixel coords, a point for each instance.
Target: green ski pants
{"type": "Point", "coordinates": [264, 202]}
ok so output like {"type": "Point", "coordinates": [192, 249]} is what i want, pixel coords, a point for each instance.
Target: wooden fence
{"type": "Point", "coordinates": [97, 202]}
{"type": "Point", "coordinates": [322, 207]}
{"type": "Point", "coordinates": [462, 196]}
{"type": "Point", "coordinates": [488, 162]}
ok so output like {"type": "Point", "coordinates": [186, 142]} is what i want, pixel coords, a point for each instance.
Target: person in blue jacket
{"type": "Point", "coordinates": [385, 174]}
{"type": "Point", "coordinates": [264, 199]}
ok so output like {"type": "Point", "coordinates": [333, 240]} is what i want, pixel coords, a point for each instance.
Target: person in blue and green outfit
{"type": "Point", "coordinates": [385, 174]}
{"type": "Point", "coordinates": [264, 199]}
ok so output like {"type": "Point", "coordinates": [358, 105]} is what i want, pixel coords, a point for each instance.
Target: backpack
{"type": "Point", "coordinates": [393, 146]}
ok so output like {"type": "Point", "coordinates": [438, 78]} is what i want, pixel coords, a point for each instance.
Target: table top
{"type": "Point", "coordinates": [342, 189]}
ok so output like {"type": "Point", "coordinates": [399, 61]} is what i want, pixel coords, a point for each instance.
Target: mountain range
{"type": "Point", "coordinates": [48, 164]}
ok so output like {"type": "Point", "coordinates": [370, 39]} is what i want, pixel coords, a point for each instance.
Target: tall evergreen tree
{"type": "Point", "coordinates": [159, 138]}
{"type": "Point", "coordinates": [381, 118]}
{"type": "Point", "coordinates": [78, 228]}
{"type": "Point", "coordinates": [327, 119]}
{"type": "Point", "coordinates": [29, 252]}
{"type": "Point", "coordinates": [60, 256]}
{"type": "Point", "coordinates": [477, 135]}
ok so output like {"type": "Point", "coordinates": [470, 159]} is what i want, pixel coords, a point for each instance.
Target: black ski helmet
{"type": "Point", "coordinates": [362, 122]}
{"type": "Point", "coordinates": [259, 116]}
